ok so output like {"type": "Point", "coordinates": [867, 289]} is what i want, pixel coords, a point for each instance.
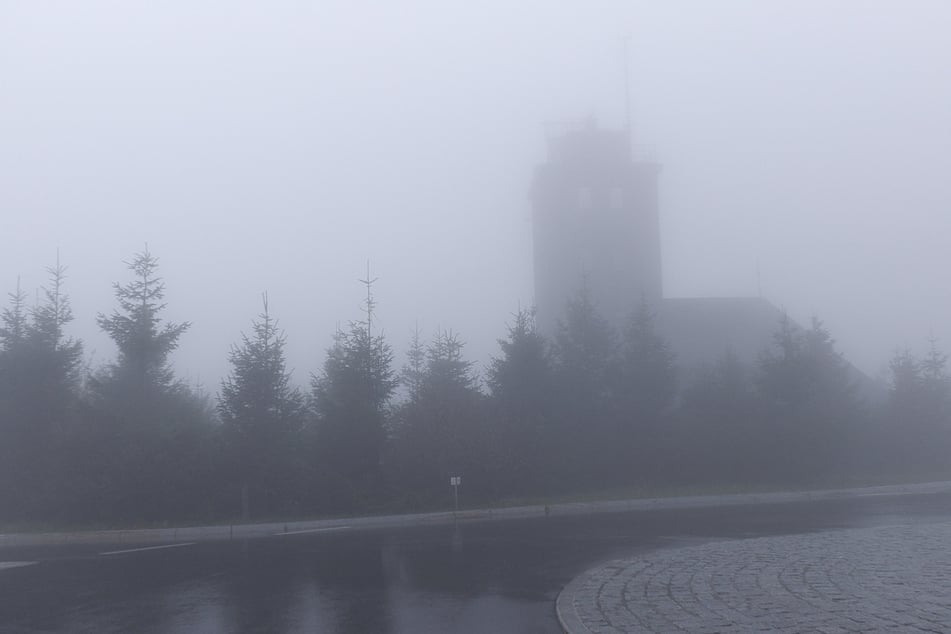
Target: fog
{"type": "Point", "coordinates": [280, 146]}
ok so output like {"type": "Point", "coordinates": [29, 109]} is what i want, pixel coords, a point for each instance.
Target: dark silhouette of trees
{"type": "Point", "coordinates": [350, 399]}
{"type": "Point", "coordinates": [144, 344]}
{"type": "Point", "coordinates": [14, 429]}
{"type": "Point", "coordinates": [442, 431]}
{"type": "Point", "coordinates": [935, 383]}
{"type": "Point", "coordinates": [921, 388]}
{"type": "Point", "coordinates": [39, 385]}
{"type": "Point", "coordinates": [647, 370]}
{"type": "Point", "coordinates": [589, 411]}
{"type": "Point", "coordinates": [13, 332]}
{"type": "Point", "coordinates": [585, 371]}
{"type": "Point", "coordinates": [919, 409]}
{"type": "Point", "coordinates": [151, 421]}
{"type": "Point", "coordinates": [809, 400]}
{"type": "Point", "coordinates": [62, 355]}
{"type": "Point", "coordinates": [794, 418]}
{"type": "Point", "coordinates": [413, 371]}
{"type": "Point", "coordinates": [584, 352]}
{"type": "Point", "coordinates": [803, 369]}
{"type": "Point", "coordinates": [400, 461]}
{"type": "Point", "coordinates": [722, 431]}
{"type": "Point", "coordinates": [645, 384]}
{"type": "Point", "coordinates": [521, 384]}
{"type": "Point", "coordinates": [262, 417]}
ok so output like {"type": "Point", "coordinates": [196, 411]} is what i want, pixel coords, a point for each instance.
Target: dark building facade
{"type": "Point", "coordinates": [596, 223]}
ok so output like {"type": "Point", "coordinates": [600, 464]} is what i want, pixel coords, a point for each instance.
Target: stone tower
{"type": "Point", "coordinates": [595, 223]}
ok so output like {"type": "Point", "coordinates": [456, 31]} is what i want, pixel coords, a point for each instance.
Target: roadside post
{"type": "Point", "coordinates": [455, 481]}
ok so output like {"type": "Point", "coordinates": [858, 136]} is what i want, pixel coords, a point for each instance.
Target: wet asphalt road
{"type": "Point", "coordinates": [480, 576]}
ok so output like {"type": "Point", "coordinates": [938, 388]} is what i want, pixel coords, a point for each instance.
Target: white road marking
{"type": "Point", "coordinates": [315, 530]}
{"type": "Point", "coordinates": [4, 565]}
{"type": "Point", "coordinates": [139, 550]}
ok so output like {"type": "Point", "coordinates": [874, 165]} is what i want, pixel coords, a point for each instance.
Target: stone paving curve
{"type": "Point", "coordinates": [893, 578]}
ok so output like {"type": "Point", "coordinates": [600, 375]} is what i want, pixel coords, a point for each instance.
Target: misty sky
{"type": "Point", "coordinates": [279, 145]}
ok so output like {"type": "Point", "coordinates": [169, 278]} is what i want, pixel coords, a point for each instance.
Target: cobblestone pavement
{"type": "Point", "coordinates": [895, 578]}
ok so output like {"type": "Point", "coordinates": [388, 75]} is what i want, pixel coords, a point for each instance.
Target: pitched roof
{"type": "Point", "coordinates": [702, 329]}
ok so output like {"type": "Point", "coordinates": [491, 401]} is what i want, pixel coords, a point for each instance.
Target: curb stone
{"type": "Point", "coordinates": [226, 532]}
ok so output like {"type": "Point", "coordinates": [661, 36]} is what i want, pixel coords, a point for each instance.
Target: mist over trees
{"type": "Point", "coordinates": [589, 412]}
{"type": "Point", "coordinates": [921, 401]}
{"type": "Point", "coordinates": [350, 398]}
{"type": "Point", "coordinates": [39, 397]}
{"type": "Point", "coordinates": [261, 416]}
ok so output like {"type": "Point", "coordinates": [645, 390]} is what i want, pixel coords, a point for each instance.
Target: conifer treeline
{"type": "Point", "coordinates": [591, 410]}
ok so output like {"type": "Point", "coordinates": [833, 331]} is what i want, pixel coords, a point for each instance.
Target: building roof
{"type": "Point", "coordinates": [701, 329]}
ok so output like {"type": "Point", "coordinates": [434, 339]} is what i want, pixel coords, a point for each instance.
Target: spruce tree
{"type": "Point", "coordinates": [809, 400]}
{"type": "Point", "coordinates": [585, 371]}
{"type": "Point", "coordinates": [152, 420]}
{"type": "Point", "coordinates": [39, 383]}
{"type": "Point", "coordinates": [647, 373]}
{"type": "Point", "coordinates": [442, 433]}
{"type": "Point", "coordinates": [261, 414]}
{"type": "Point", "coordinates": [643, 385]}
{"type": "Point", "coordinates": [919, 410]}
{"type": "Point", "coordinates": [350, 398]}
{"type": "Point", "coordinates": [413, 371]}
{"type": "Point", "coordinates": [144, 343]}
{"type": "Point", "coordinates": [521, 384]}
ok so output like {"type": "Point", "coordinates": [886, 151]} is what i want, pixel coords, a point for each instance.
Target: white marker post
{"type": "Point", "coordinates": [455, 481]}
